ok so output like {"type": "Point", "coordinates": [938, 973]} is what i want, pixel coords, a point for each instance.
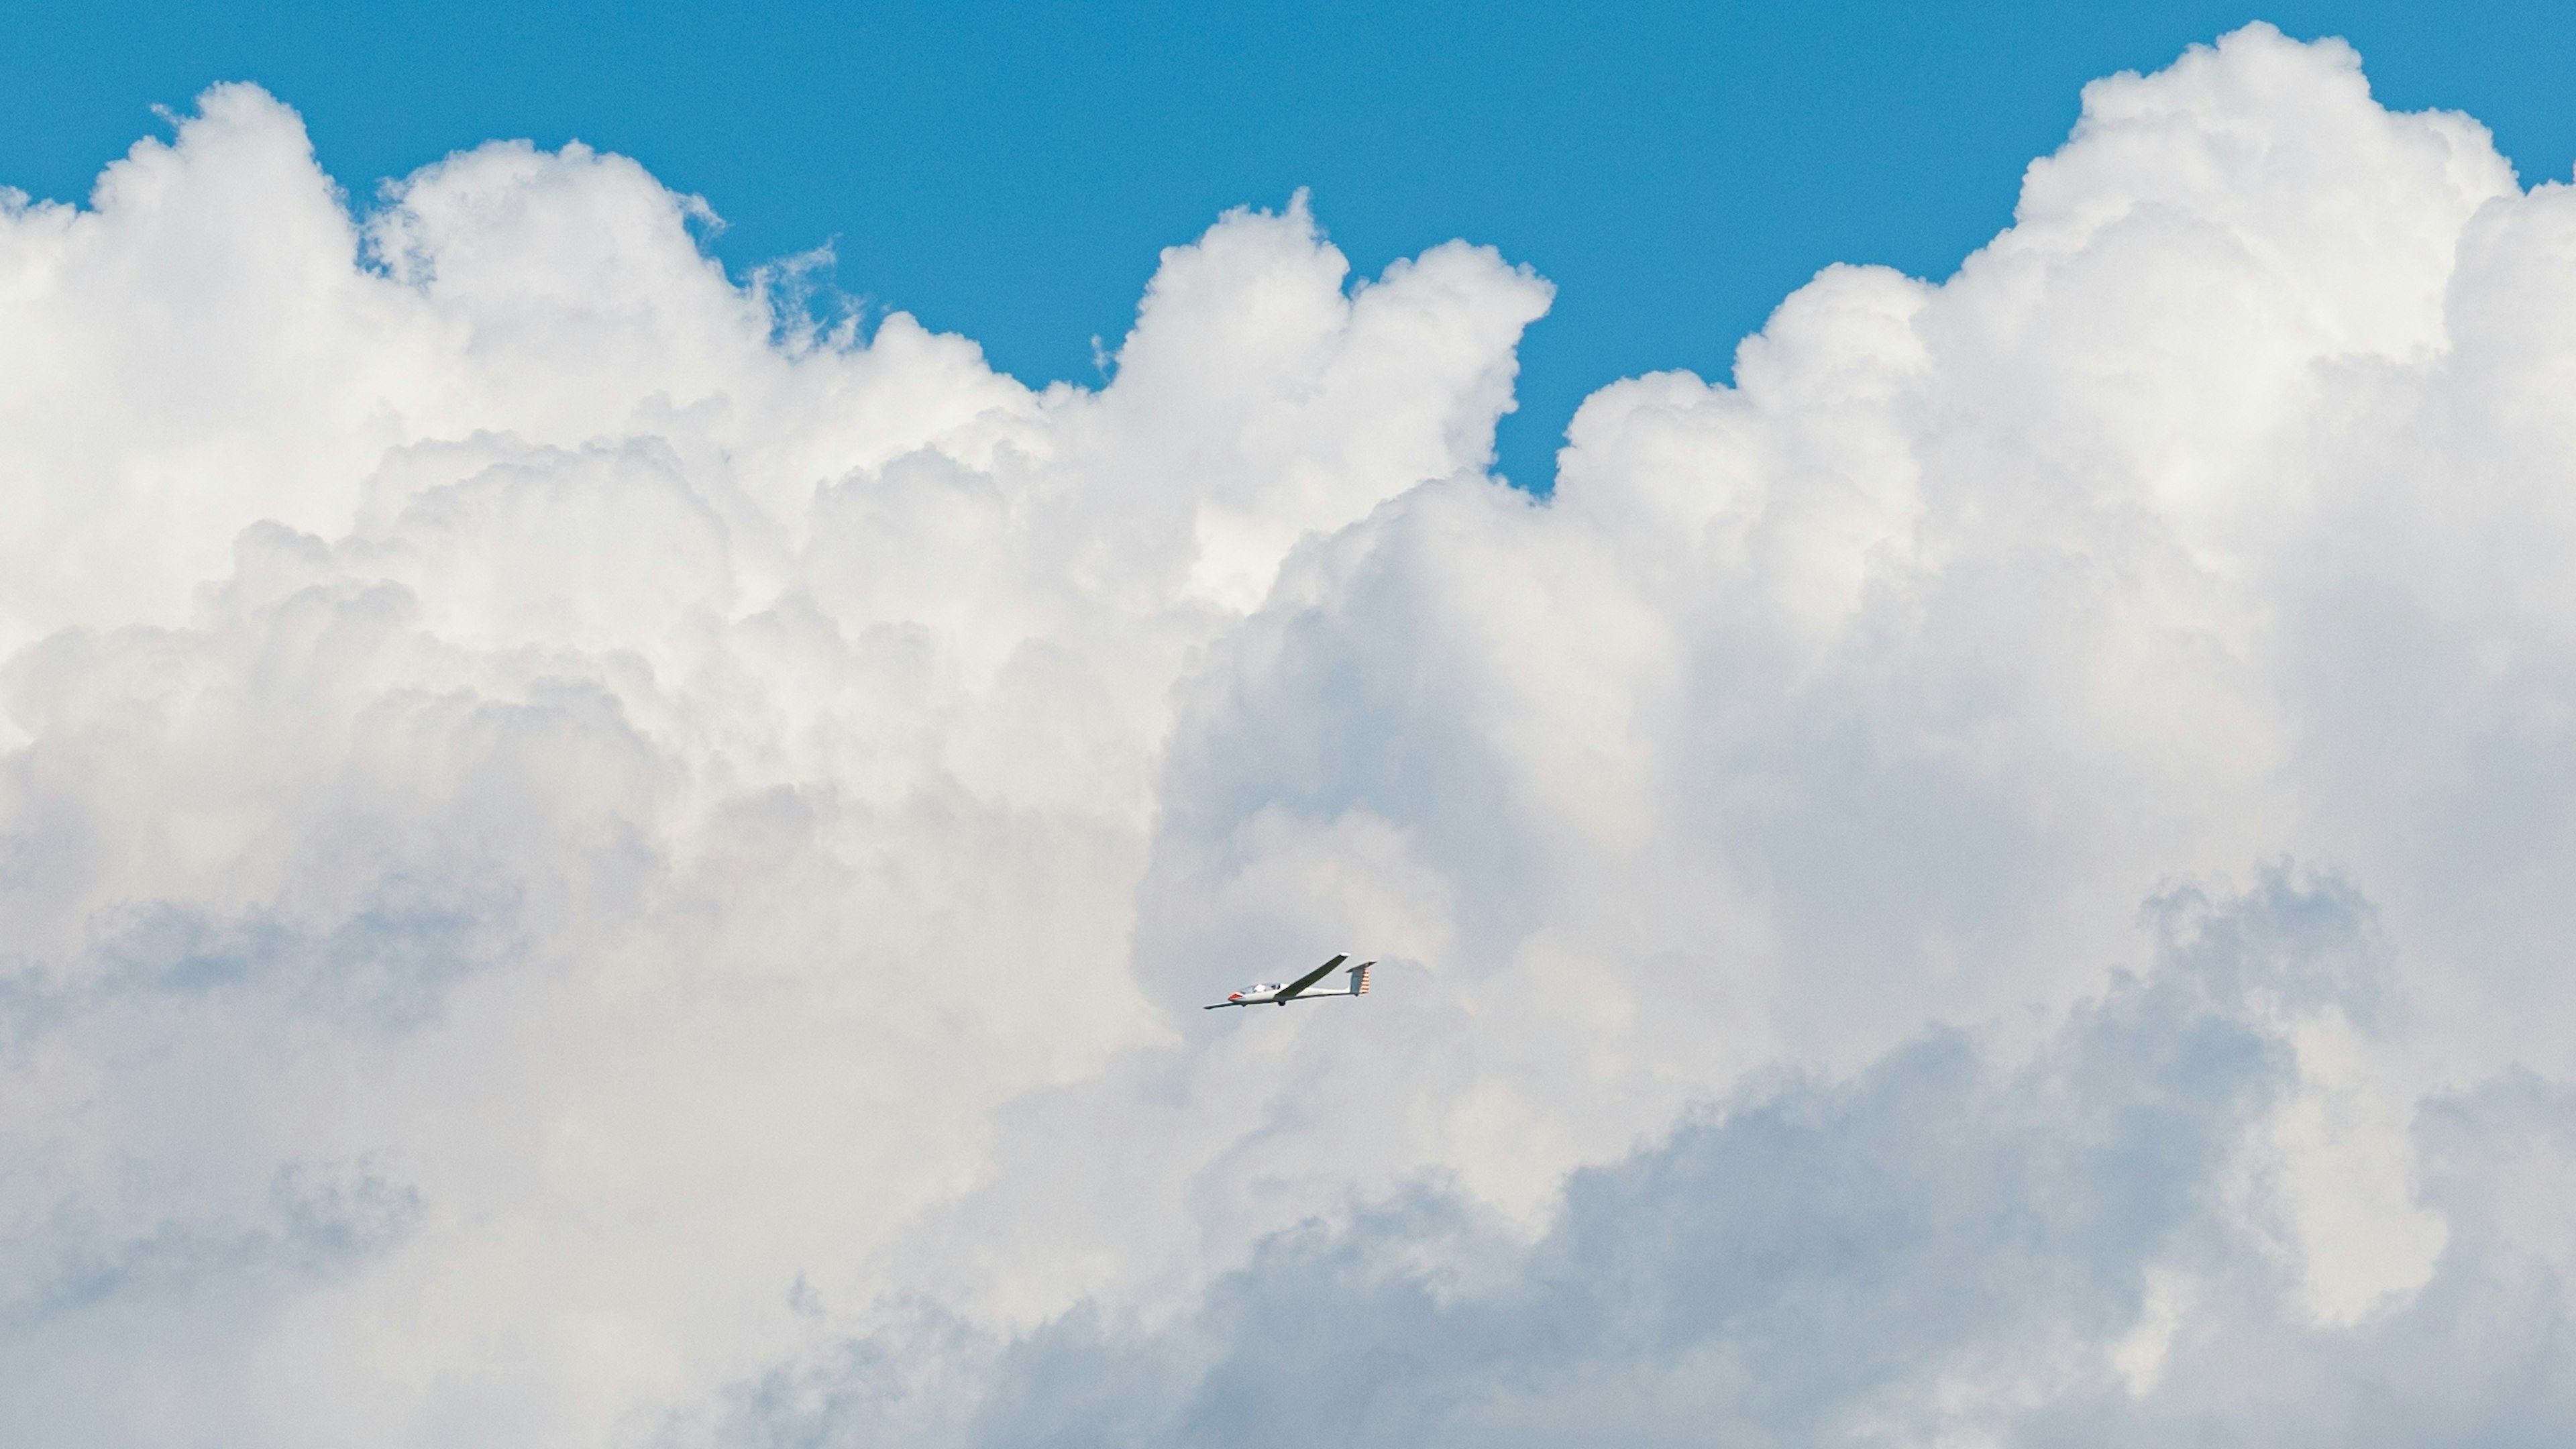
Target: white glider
{"type": "Point", "coordinates": [1271, 993]}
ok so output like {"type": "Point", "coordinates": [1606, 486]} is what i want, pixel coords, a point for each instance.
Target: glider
{"type": "Point", "coordinates": [1271, 993]}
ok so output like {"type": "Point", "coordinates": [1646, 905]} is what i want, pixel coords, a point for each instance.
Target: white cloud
{"type": "Point", "coordinates": [651, 789]}
{"type": "Point", "coordinates": [580, 863]}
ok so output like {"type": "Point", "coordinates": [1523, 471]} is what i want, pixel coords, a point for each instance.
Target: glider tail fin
{"type": "Point", "coordinates": [1359, 978]}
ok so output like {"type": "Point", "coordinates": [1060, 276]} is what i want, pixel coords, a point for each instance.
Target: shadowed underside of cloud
{"type": "Point", "coordinates": [2084, 1248]}
{"type": "Point", "coordinates": [585, 858]}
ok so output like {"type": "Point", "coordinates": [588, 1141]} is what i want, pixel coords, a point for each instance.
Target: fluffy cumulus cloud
{"type": "Point", "coordinates": [585, 859]}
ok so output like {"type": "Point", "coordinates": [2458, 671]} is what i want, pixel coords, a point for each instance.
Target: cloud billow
{"type": "Point", "coordinates": [588, 855]}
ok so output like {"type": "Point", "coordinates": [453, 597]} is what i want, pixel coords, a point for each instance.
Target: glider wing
{"type": "Point", "coordinates": [1289, 991]}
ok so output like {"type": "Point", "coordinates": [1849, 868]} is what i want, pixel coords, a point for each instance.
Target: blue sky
{"type": "Point", "coordinates": [1012, 171]}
